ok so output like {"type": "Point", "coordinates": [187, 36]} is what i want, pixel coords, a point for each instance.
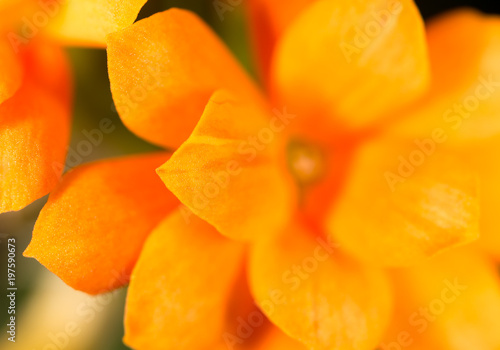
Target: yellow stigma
{"type": "Point", "coordinates": [306, 161]}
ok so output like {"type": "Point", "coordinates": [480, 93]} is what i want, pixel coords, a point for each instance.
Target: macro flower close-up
{"type": "Point", "coordinates": [326, 181]}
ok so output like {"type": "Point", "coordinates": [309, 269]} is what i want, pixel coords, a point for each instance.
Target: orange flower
{"type": "Point", "coordinates": [335, 162]}
{"type": "Point", "coordinates": [35, 88]}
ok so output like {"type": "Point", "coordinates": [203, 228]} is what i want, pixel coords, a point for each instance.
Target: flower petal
{"type": "Point", "coordinates": [34, 132]}
{"type": "Point", "coordinates": [12, 12]}
{"type": "Point", "coordinates": [464, 98]}
{"type": "Point", "coordinates": [404, 202]}
{"type": "Point", "coordinates": [91, 230]}
{"type": "Point", "coordinates": [162, 74]}
{"type": "Point", "coordinates": [47, 65]}
{"type": "Point", "coordinates": [275, 339]}
{"type": "Point", "coordinates": [449, 303]}
{"type": "Point", "coordinates": [348, 64]}
{"type": "Point", "coordinates": [227, 172]}
{"type": "Point", "coordinates": [278, 13]}
{"type": "Point", "coordinates": [268, 20]}
{"type": "Point", "coordinates": [168, 304]}
{"type": "Point", "coordinates": [10, 71]}
{"type": "Point", "coordinates": [35, 127]}
{"type": "Point", "coordinates": [87, 22]}
{"type": "Point", "coordinates": [317, 296]}
{"type": "Point", "coordinates": [483, 158]}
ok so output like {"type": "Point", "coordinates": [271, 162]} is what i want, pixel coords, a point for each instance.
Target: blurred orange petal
{"type": "Point", "coordinates": [404, 202]}
{"type": "Point", "coordinates": [450, 303]}
{"type": "Point", "coordinates": [483, 158]}
{"type": "Point", "coordinates": [92, 229]}
{"type": "Point", "coordinates": [275, 339]}
{"type": "Point", "coordinates": [464, 98]}
{"type": "Point", "coordinates": [164, 69]}
{"type": "Point", "coordinates": [87, 22]}
{"type": "Point", "coordinates": [11, 72]}
{"type": "Point", "coordinates": [317, 296]}
{"type": "Point", "coordinates": [35, 127]}
{"type": "Point", "coordinates": [182, 287]}
{"type": "Point", "coordinates": [268, 20]}
{"type": "Point", "coordinates": [47, 65]}
{"type": "Point", "coordinates": [351, 63]}
{"type": "Point", "coordinates": [11, 11]}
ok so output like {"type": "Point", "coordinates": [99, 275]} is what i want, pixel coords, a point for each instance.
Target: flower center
{"type": "Point", "coordinates": [306, 161]}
